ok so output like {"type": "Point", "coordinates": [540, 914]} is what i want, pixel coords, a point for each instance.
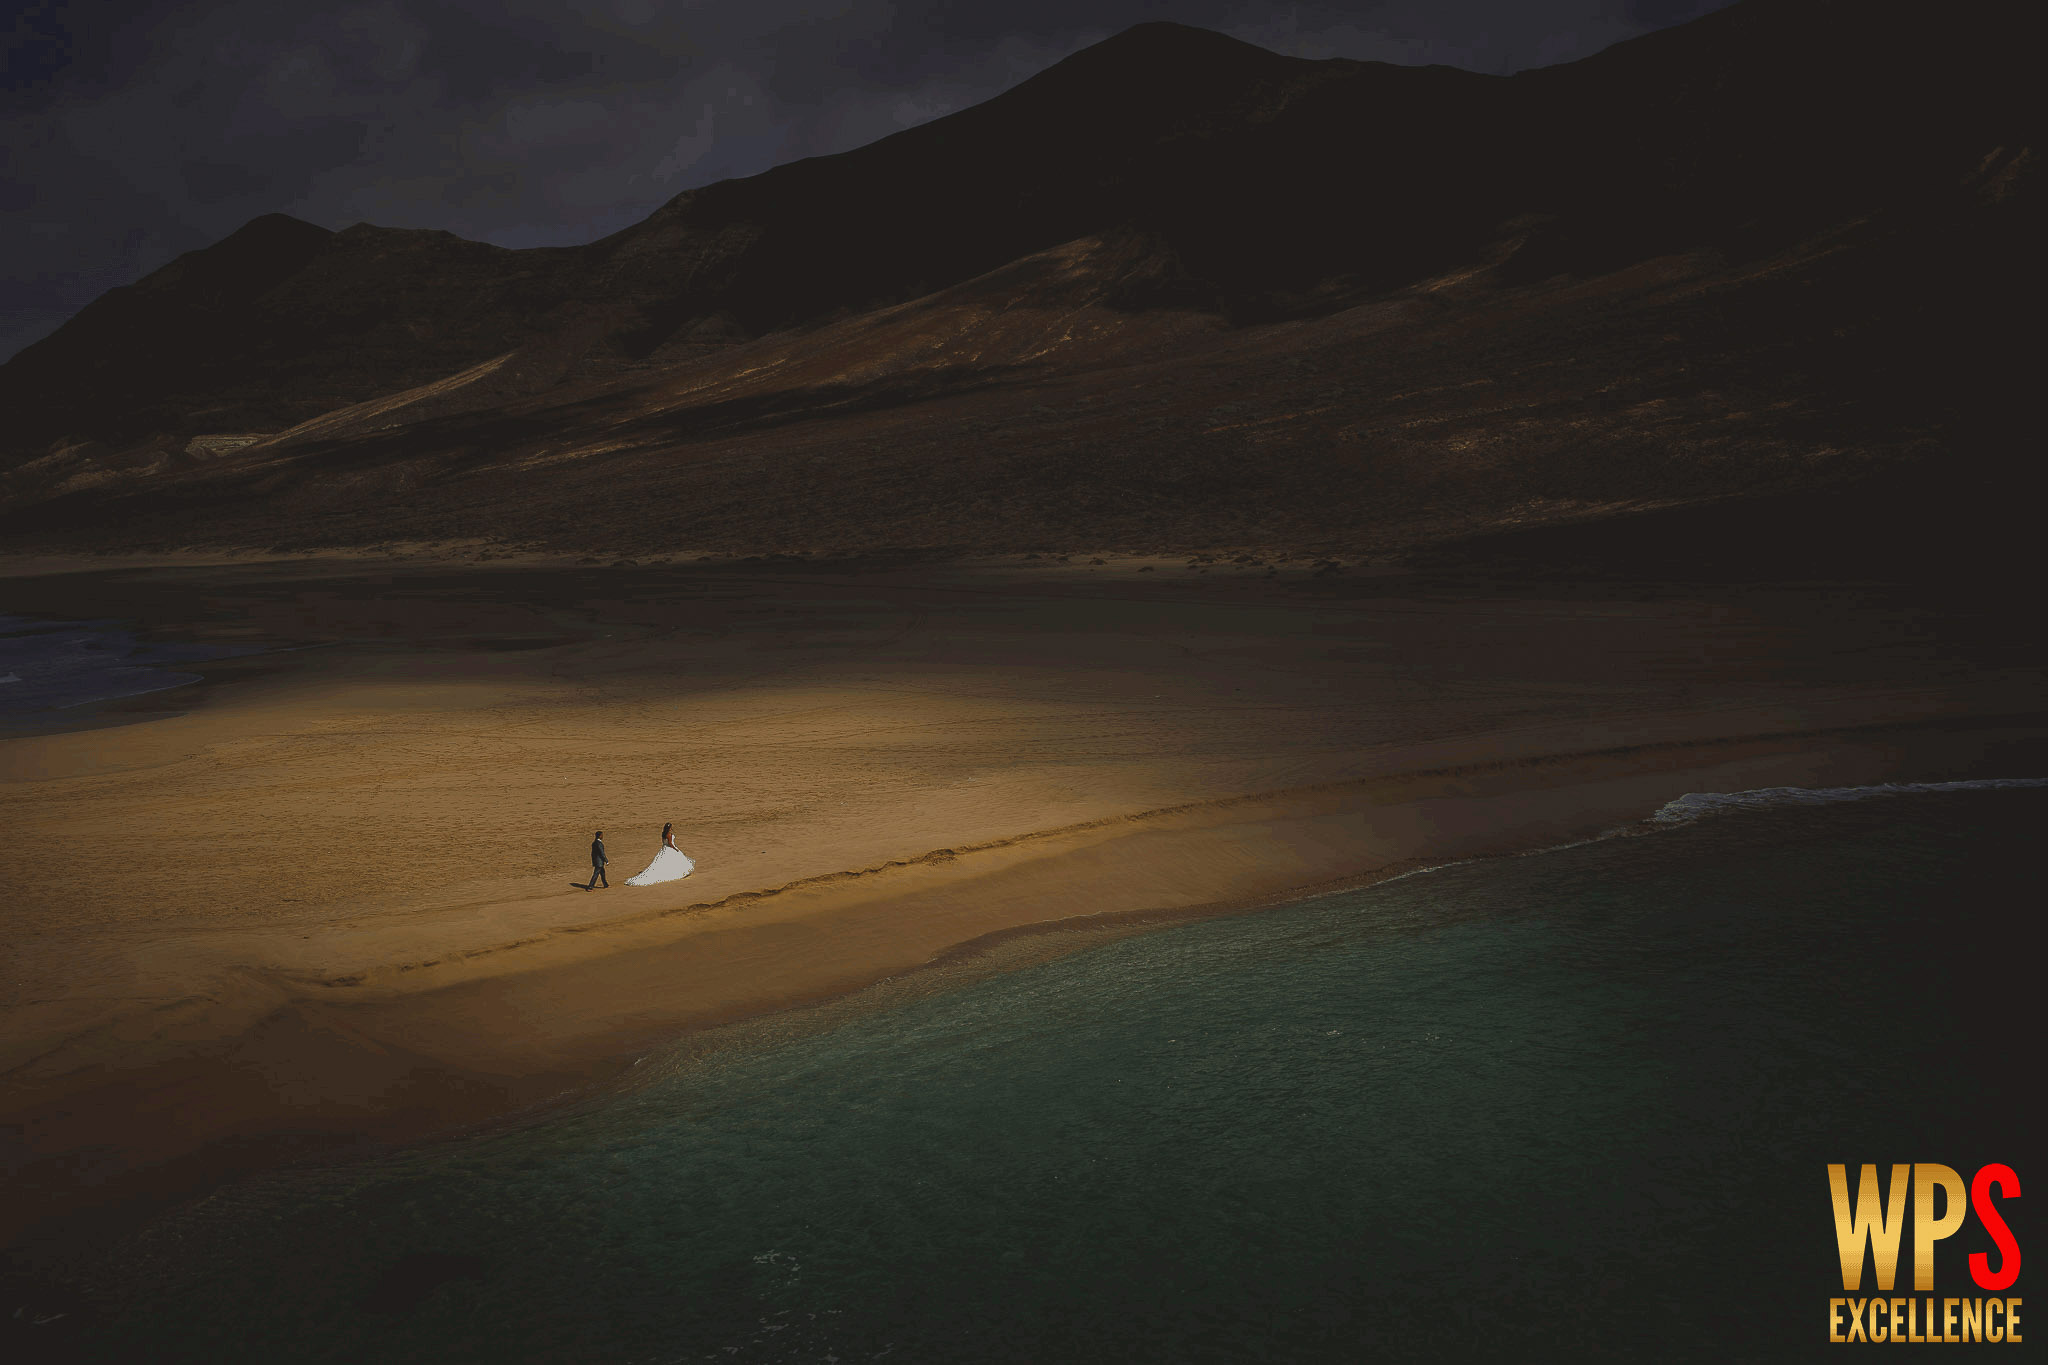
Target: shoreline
{"type": "Point", "coordinates": [466, 1084]}
{"type": "Point", "coordinates": [316, 903]}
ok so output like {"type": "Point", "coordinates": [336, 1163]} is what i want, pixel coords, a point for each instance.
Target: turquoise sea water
{"type": "Point", "coordinates": [1565, 1105]}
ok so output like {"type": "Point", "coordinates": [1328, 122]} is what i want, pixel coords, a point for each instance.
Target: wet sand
{"type": "Point", "coordinates": [328, 895]}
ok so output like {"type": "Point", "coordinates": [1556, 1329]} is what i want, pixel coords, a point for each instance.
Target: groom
{"type": "Point", "coordinates": [597, 862]}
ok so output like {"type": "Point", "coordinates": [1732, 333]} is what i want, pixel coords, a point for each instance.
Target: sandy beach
{"type": "Point", "coordinates": [330, 894]}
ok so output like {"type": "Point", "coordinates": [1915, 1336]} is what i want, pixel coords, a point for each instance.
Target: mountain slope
{"type": "Point", "coordinates": [1776, 249]}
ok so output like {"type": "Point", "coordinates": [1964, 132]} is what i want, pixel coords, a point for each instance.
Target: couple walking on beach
{"type": "Point", "coordinates": [670, 863]}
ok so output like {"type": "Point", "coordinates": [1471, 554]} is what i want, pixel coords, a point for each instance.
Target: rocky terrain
{"type": "Point", "coordinates": [1758, 277]}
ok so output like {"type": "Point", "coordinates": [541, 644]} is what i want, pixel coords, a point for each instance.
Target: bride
{"type": "Point", "coordinates": [669, 865]}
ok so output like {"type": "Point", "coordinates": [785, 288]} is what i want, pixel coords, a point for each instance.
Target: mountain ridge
{"type": "Point", "coordinates": [1236, 185]}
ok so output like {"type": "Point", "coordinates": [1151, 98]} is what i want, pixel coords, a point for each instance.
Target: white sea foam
{"type": "Point", "coordinates": [1694, 805]}
{"type": "Point", "coordinates": [1697, 805]}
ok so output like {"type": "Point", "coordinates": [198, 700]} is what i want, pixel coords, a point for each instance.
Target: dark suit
{"type": "Point", "coordinates": [597, 862]}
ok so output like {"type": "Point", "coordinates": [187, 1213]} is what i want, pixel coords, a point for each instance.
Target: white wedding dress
{"type": "Point", "coordinates": [669, 865]}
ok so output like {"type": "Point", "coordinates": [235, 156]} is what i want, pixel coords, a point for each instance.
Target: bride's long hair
{"type": "Point", "coordinates": [667, 830]}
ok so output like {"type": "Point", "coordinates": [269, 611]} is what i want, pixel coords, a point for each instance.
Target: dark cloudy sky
{"type": "Point", "coordinates": [132, 130]}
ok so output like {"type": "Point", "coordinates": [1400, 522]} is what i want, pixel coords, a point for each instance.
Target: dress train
{"type": "Point", "coordinates": [669, 865]}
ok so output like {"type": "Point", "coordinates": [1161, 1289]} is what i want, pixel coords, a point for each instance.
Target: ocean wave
{"type": "Point", "coordinates": [1695, 805]}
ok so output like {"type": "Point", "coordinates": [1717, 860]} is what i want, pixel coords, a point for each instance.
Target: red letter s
{"type": "Point", "coordinates": [2008, 1249]}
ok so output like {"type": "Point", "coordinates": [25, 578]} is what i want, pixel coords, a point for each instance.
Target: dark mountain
{"type": "Point", "coordinates": [1175, 290]}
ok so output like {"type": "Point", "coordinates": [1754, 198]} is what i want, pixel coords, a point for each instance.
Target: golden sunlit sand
{"type": "Point", "coordinates": [331, 892]}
